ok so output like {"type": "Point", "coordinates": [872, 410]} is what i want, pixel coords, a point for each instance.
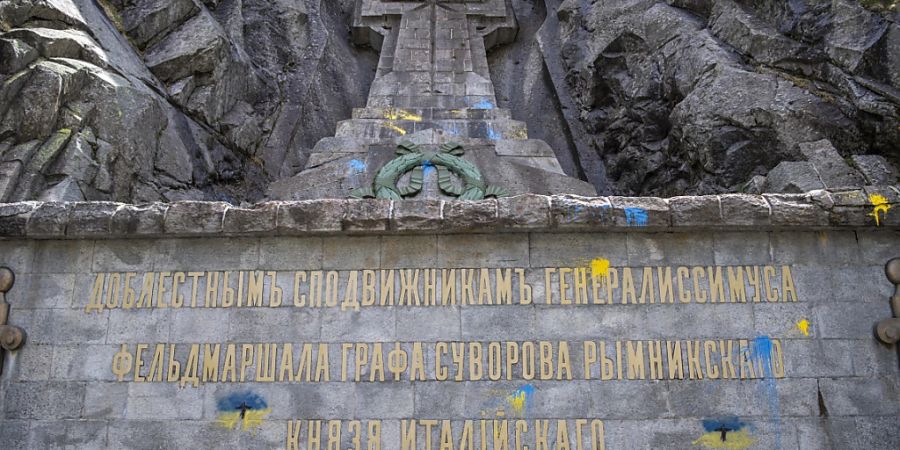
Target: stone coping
{"type": "Point", "coordinates": [524, 213]}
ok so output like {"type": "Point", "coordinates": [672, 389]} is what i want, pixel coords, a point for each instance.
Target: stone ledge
{"type": "Point", "coordinates": [525, 213]}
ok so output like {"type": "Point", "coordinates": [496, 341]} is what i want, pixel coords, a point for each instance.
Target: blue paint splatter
{"type": "Point", "coordinates": [492, 134]}
{"type": "Point", "coordinates": [356, 165]}
{"type": "Point", "coordinates": [636, 217]}
{"type": "Point", "coordinates": [762, 353]}
{"type": "Point", "coordinates": [483, 104]}
{"type": "Point", "coordinates": [727, 423]}
{"type": "Point", "coordinates": [239, 400]}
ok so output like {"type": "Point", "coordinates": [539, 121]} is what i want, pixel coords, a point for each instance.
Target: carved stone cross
{"type": "Point", "coordinates": [433, 52]}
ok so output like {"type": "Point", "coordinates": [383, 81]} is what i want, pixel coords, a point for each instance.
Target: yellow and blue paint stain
{"type": "Point", "coordinates": [880, 207]}
{"type": "Point", "coordinates": [513, 404]}
{"type": "Point", "coordinates": [246, 410]}
{"type": "Point", "coordinates": [728, 433]}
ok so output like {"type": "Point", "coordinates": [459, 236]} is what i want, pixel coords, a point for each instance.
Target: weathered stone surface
{"type": "Point", "coordinates": [695, 211]}
{"type": "Point", "coordinates": [469, 216]}
{"type": "Point", "coordinates": [361, 215]}
{"type": "Point", "coordinates": [14, 218]}
{"type": "Point", "coordinates": [310, 216]}
{"type": "Point", "coordinates": [259, 219]}
{"type": "Point", "coordinates": [139, 220]}
{"type": "Point", "coordinates": [426, 214]}
{"type": "Point", "coordinates": [793, 177]}
{"type": "Point", "coordinates": [525, 211]}
{"type": "Point", "coordinates": [195, 217]}
{"type": "Point", "coordinates": [49, 219]}
{"type": "Point", "coordinates": [87, 219]}
{"type": "Point", "coordinates": [876, 169]}
{"type": "Point", "coordinates": [788, 210]}
{"type": "Point", "coordinates": [742, 209]}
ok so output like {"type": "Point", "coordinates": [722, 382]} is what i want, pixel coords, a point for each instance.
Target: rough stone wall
{"type": "Point", "coordinates": [697, 97]}
{"type": "Point", "coordinates": [839, 388]}
{"type": "Point", "coordinates": [171, 99]}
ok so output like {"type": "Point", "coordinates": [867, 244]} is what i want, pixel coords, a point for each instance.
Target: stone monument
{"type": "Point", "coordinates": [432, 280]}
{"type": "Point", "coordinates": [432, 96]}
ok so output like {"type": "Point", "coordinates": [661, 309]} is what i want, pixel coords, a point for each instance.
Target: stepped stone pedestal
{"type": "Point", "coordinates": [432, 88]}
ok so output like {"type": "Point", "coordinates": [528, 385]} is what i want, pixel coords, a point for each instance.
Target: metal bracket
{"type": "Point", "coordinates": [11, 337]}
{"type": "Point", "coordinates": [888, 330]}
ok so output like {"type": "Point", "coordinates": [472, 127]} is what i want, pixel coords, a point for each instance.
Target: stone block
{"type": "Point", "coordinates": [90, 219]}
{"type": "Point", "coordinates": [139, 220]}
{"type": "Point", "coordinates": [362, 252]}
{"type": "Point", "coordinates": [84, 363]}
{"type": "Point", "coordinates": [825, 248]}
{"type": "Point", "coordinates": [670, 249]}
{"type": "Point", "coordinates": [81, 434]}
{"type": "Point", "coordinates": [14, 433]}
{"type": "Point", "coordinates": [256, 220]}
{"type": "Point", "coordinates": [43, 291]}
{"type": "Point", "coordinates": [641, 212]}
{"type": "Point", "coordinates": [745, 210]}
{"type": "Point", "coordinates": [367, 215]}
{"type": "Point", "coordinates": [429, 324]}
{"type": "Point", "coordinates": [742, 248]}
{"type": "Point", "coordinates": [572, 212]}
{"type": "Point", "coordinates": [384, 400]}
{"type": "Point", "coordinates": [123, 255]}
{"type": "Point", "coordinates": [105, 400]}
{"type": "Point", "coordinates": [849, 320]}
{"type": "Point", "coordinates": [695, 211]}
{"type": "Point", "coordinates": [43, 400]}
{"type": "Point", "coordinates": [492, 323]}
{"type": "Point", "coordinates": [367, 325]}
{"type": "Point", "coordinates": [408, 252]}
{"type": "Point", "coordinates": [158, 401]}
{"type": "Point", "coordinates": [526, 211]}
{"type": "Point", "coordinates": [321, 216]}
{"type": "Point", "coordinates": [417, 215]}
{"type": "Point", "coordinates": [466, 216]}
{"type": "Point", "coordinates": [195, 218]}
{"type": "Point", "coordinates": [441, 400]}
{"type": "Point", "coordinates": [576, 249]}
{"type": "Point", "coordinates": [197, 254]}
{"type": "Point", "coordinates": [275, 325]}
{"type": "Point", "coordinates": [860, 396]}
{"type": "Point", "coordinates": [290, 253]}
{"type": "Point", "coordinates": [14, 218]}
{"type": "Point", "coordinates": [795, 210]}
{"type": "Point", "coordinates": [48, 220]}
{"type": "Point", "coordinates": [62, 256]}
{"type": "Point", "coordinates": [483, 250]}
{"type": "Point", "coordinates": [805, 357]}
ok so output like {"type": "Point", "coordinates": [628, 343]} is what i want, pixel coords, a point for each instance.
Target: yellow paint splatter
{"type": "Point", "coordinates": [803, 326]}
{"type": "Point", "coordinates": [600, 268]}
{"type": "Point", "coordinates": [252, 419]}
{"type": "Point", "coordinates": [400, 114]}
{"type": "Point", "coordinates": [735, 440]}
{"type": "Point", "coordinates": [880, 207]}
{"type": "Point", "coordinates": [394, 127]}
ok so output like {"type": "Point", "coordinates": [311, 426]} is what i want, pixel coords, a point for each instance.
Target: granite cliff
{"type": "Point", "coordinates": [146, 100]}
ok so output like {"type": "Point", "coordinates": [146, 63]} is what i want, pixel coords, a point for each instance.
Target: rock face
{"type": "Point", "coordinates": [700, 96]}
{"type": "Point", "coordinates": [168, 99]}
{"type": "Point", "coordinates": [165, 100]}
